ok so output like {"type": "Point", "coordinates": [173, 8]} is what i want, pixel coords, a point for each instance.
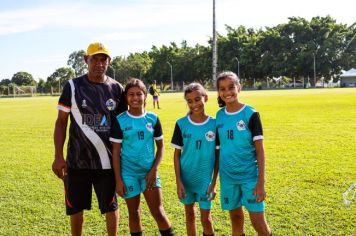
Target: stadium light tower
{"type": "Point", "coordinates": [238, 67]}
{"type": "Point", "coordinates": [214, 46]}
{"type": "Point", "coordinates": [170, 65]}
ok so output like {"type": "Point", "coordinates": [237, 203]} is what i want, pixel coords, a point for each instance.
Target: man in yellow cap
{"type": "Point", "coordinates": [91, 101]}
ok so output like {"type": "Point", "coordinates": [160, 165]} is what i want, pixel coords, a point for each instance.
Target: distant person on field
{"type": "Point", "coordinates": [155, 94]}
{"type": "Point", "coordinates": [90, 101]}
{"type": "Point", "coordinates": [242, 157]}
{"type": "Point", "coordinates": [134, 135]}
{"type": "Point", "coordinates": [195, 159]}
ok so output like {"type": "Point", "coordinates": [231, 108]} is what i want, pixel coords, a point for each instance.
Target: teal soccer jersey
{"type": "Point", "coordinates": [136, 135]}
{"type": "Point", "coordinates": [236, 133]}
{"type": "Point", "coordinates": [197, 144]}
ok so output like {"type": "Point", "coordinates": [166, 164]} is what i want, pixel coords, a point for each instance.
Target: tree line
{"type": "Point", "coordinates": [299, 49]}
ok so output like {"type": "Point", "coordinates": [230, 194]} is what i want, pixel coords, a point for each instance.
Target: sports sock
{"type": "Point", "coordinates": [167, 232]}
{"type": "Point", "coordinates": [136, 234]}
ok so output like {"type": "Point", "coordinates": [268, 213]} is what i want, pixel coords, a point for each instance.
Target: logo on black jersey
{"type": "Point", "coordinates": [96, 122]}
{"type": "Point", "coordinates": [241, 125]}
{"type": "Point", "coordinates": [210, 136]}
{"type": "Point", "coordinates": [110, 104]}
{"type": "Point", "coordinates": [84, 103]}
{"type": "Point", "coordinates": [104, 121]}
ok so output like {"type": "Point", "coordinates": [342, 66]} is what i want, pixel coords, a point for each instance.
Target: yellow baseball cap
{"type": "Point", "coordinates": [96, 48]}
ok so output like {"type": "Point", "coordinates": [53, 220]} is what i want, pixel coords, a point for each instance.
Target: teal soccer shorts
{"type": "Point", "coordinates": [135, 185]}
{"type": "Point", "coordinates": [233, 196]}
{"type": "Point", "coordinates": [201, 198]}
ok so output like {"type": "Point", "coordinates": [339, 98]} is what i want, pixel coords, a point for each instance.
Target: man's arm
{"type": "Point", "coordinates": [59, 166]}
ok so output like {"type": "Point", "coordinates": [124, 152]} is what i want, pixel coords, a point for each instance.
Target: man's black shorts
{"type": "Point", "coordinates": [78, 190]}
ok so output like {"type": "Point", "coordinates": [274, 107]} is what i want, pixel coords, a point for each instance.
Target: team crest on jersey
{"type": "Point", "coordinates": [110, 104]}
{"type": "Point", "coordinates": [241, 125]}
{"type": "Point", "coordinates": [210, 136]}
{"type": "Point", "coordinates": [149, 126]}
{"type": "Point", "coordinates": [84, 103]}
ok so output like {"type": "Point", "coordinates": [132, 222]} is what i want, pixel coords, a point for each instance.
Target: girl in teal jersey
{"type": "Point", "coordinates": [195, 160]}
{"type": "Point", "coordinates": [135, 163]}
{"type": "Point", "coordinates": [242, 158]}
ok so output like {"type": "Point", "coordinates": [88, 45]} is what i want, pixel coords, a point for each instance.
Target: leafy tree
{"type": "Point", "coordinates": [5, 82]}
{"type": "Point", "coordinates": [286, 50]}
{"type": "Point", "coordinates": [135, 65]}
{"type": "Point", "coordinates": [41, 86]}
{"type": "Point", "coordinates": [76, 61]}
{"type": "Point", "coordinates": [61, 75]}
{"type": "Point", "coordinates": [23, 78]}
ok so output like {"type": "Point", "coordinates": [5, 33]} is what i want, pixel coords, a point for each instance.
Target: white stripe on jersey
{"type": "Point", "coordinates": [63, 108]}
{"type": "Point", "coordinates": [259, 137]}
{"type": "Point", "coordinates": [115, 140]}
{"type": "Point", "coordinates": [159, 138]}
{"type": "Point", "coordinates": [176, 146]}
{"type": "Point", "coordinates": [91, 135]}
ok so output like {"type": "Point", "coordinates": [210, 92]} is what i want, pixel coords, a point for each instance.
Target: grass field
{"type": "Point", "coordinates": [310, 148]}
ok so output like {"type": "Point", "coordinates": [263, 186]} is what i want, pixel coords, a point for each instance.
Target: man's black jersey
{"type": "Point", "coordinates": [93, 107]}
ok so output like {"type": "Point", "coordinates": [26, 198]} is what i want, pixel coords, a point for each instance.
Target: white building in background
{"type": "Point", "coordinates": [348, 78]}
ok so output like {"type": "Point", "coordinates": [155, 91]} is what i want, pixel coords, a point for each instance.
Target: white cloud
{"type": "Point", "coordinates": [12, 29]}
{"type": "Point", "coordinates": [156, 13]}
{"type": "Point", "coordinates": [76, 15]}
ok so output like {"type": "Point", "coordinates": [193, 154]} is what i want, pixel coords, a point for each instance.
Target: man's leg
{"type": "Point", "coordinates": [76, 223]}
{"type": "Point", "coordinates": [112, 220]}
{"type": "Point", "coordinates": [104, 186]}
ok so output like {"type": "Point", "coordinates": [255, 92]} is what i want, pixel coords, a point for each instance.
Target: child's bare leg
{"type": "Point", "coordinates": [133, 207]}
{"type": "Point", "coordinates": [190, 219]}
{"type": "Point", "coordinates": [206, 221]}
{"type": "Point", "coordinates": [154, 201]}
{"type": "Point", "coordinates": [259, 223]}
{"type": "Point", "coordinates": [237, 221]}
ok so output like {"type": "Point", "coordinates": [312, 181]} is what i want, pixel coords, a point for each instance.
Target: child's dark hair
{"type": "Point", "coordinates": [194, 87]}
{"type": "Point", "coordinates": [133, 82]}
{"type": "Point", "coordinates": [223, 75]}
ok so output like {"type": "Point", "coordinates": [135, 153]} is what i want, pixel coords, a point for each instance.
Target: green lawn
{"type": "Point", "coordinates": [310, 148]}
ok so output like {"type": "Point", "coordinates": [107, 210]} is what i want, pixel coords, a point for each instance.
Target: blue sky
{"type": "Point", "coordinates": [37, 36]}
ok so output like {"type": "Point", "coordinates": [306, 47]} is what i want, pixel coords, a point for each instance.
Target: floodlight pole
{"type": "Point", "coordinates": [314, 71]}
{"type": "Point", "coordinates": [238, 67]}
{"type": "Point", "coordinates": [170, 65]}
{"type": "Point", "coordinates": [214, 45]}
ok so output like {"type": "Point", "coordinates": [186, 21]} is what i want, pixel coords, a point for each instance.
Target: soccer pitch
{"type": "Point", "coordinates": [310, 151]}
